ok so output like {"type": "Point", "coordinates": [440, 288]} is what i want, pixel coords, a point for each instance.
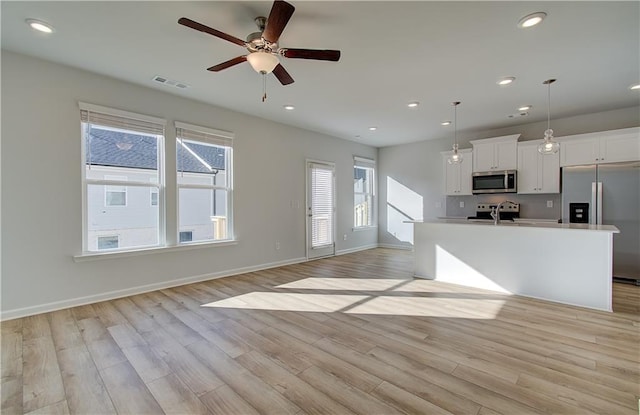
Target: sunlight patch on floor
{"type": "Point", "coordinates": [448, 306]}
{"type": "Point", "coordinates": [430, 307]}
{"type": "Point", "coordinates": [321, 303]}
{"type": "Point", "coordinates": [350, 284]}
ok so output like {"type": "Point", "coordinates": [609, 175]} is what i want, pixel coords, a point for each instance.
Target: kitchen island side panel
{"type": "Point", "coordinates": [570, 266]}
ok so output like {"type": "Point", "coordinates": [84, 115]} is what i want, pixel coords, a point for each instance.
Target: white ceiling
{"type": "Point", "coordinates": [392, 53]}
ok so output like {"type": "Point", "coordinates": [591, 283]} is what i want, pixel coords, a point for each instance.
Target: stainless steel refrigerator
{"type": "Point", "coordinates": [608, 194]}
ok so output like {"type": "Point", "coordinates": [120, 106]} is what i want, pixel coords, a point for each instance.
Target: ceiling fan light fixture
{"type": "Point", "coordinates": [531, 20]}
{"type": "Point", "coordinates": [263, 62]}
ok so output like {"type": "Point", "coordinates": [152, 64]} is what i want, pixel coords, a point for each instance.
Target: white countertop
{"type": "Point", "coordinates": [524, 223]}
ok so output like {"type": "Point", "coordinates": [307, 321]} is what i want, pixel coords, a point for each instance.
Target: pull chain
{"type": "Point", "coordinates": [264, 87]}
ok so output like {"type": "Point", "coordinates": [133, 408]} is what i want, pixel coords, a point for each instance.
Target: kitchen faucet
{"type": "Point", "coordinates": [495, 212]}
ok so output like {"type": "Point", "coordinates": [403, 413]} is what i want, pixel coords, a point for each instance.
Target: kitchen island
{"type": "Point", "coordinates": [566, 263]}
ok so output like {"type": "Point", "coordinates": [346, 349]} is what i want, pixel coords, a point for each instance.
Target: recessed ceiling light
{"type": "Point", "coordinates": [413, 104]}
{"type": "Point", "coordinates": [506, 80]}
{"type": "Point", "coordinates": [373, 128]}
{"type": "Point", "coordinates": [289, 107]}
{"type": "Point", "coordinates": [531, 20]}
{"type": "Point", "coordinates": [39, 25]}
{"type": "Point", "coordinates": [634, 87]}
{"type": "Point", "coordinates": [525, 108]}
{"type": "Point", "coordinates": [445, 123]}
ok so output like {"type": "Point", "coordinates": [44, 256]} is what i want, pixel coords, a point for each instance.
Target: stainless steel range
{"type": "Point", "coordinates": [507, 211]}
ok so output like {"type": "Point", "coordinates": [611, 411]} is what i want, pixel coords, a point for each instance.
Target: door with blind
{"type": "Point", "coordinates": [320, 209]}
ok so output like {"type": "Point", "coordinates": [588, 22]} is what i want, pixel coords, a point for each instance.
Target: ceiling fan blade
{"type": "Point", "coordinates": [281, 12]}
{"type": "Point", "coordinates": [206, 29]}
{"type": "Point", "coordinates": [227, 64]}
{"type": "Point", "coordinates": [282, 75]}
{"type": "Point", "coordinates": [316, 54]}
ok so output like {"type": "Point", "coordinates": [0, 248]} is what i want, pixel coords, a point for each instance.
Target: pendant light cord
{"type": "Point", "coordinates": [455, 125]}
{"type": "Point", "coordinates": [549, 105]}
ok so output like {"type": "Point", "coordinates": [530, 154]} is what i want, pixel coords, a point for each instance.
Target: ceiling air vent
{"type": "Point", "coordinates": [169, 82]}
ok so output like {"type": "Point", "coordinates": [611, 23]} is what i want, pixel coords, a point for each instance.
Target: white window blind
{"type": "Point", "coordinates": [209, 135]}
{"type": "Point", "coordinates": [124, 120]}
{"type": "Point", "coordinates": [364, 162]}
{"type": "Point", "coordinates": [322, 205]}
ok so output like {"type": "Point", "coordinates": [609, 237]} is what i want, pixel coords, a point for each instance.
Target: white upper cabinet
{"type": "Point", "coordinates": [498, 153]}
{"type": "Point", "coordinates": [537, 173]}
{"type": "Point", "coordinates": [457, 177]}
{"type": "Point", "coordinates": [601, 147]}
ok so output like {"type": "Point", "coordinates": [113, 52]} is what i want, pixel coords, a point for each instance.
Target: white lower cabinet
{"type": "Point", "coordinates": [537, 173]}
{"type": "Point", "coordinates": [457, 177]}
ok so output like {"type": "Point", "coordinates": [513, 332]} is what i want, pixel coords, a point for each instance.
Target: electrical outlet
{"type": "Point", "coordinates": [344, 237]}
{"type": "Point", "coordinates": [277, 245]}
{"type": "Point", "coordinates": [461, 204]}
{"type": "Point", "coordinates": [549, 203]}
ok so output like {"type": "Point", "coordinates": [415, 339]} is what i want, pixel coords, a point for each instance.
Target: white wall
{"type": "Point", "coordinates": [41, 189]}
{"type": "Point", "coordinates": [415, 173]}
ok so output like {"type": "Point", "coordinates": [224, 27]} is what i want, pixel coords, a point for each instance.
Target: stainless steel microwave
{"type": "Point", "coordinates": [504, 181]}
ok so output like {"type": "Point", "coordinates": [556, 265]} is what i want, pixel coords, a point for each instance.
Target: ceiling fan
{"type": "Point", "coordinates": [263, 45]}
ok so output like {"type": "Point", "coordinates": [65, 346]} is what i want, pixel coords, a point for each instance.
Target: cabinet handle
{"type": "Point", "coordinates": [597, 159]}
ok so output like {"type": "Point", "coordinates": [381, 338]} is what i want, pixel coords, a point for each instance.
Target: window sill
{"type": "Point", "coordinates": [93, 256]}
{"type": "Point", "coordinates": [364, 228]}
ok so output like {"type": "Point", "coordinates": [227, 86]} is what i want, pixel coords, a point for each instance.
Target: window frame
{"type": "Point", "coordinates": [85, 125]}
{"type": "Point", "coordinates": [208, 136]}
{"type": "Point", "coordinates": [367, 165]}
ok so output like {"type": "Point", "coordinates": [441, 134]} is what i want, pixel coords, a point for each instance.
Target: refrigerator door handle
{"type": "Point", "coordinates": [599, 205]}
{"type": "Point", "coordinates": [592, 212]}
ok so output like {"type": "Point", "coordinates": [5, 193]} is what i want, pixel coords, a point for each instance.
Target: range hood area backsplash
{"type": "Point", "coordinates": [531, 206]}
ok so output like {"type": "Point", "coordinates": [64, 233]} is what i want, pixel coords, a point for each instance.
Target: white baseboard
{"type": "Point", "coordinates": [357, 249]}
{"type": "Point", "coordinates": [396, 246]}
{"type": "Point", "coordinates": [111, 295]}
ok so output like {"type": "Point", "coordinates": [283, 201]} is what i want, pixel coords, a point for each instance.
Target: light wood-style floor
{"type": "Point", "coordinates": [350, 334]}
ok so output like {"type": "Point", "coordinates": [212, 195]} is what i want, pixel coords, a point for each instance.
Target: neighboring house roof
{"type": "Point", "coordinates": [118, 149]}
{"type": "Point", "coordinates": [359, 174]}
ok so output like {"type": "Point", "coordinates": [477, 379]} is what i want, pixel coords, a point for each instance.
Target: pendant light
{"type": "Point", "coordinates": [455, 157]}
{"type": "Point", "coordinates": [548, 146]}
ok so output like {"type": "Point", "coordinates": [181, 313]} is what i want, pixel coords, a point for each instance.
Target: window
{"type": "Point", "coordinates": [107, 242]}
{"type": "Point", "coordinates": [363, 192]}
{"type": "Point", "coordinates": [154, 192]}
{"type": "Point", "coordinates": [115, 195]}
{"type": "Point", "coordinates": [123, 160]}
{"type": "Point", "coordinates": [186, 236]}
{"type": "Point", "coordinates": [204, 170]}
